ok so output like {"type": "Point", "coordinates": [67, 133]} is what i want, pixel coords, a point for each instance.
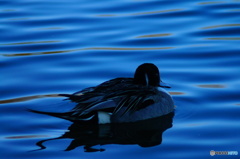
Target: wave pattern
{"type": "Point", "coordinates": [51, 47]}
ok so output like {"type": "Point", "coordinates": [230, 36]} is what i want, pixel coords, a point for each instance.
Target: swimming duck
{"type": "Point", "coordinates": [121, 100]}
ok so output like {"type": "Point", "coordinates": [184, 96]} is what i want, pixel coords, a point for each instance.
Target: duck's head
{"type": "Point", "coordinates": [148, 74]}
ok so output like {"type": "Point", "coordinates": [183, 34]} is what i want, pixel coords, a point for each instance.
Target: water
{"type": "Point", "coordinates": [51, 47]}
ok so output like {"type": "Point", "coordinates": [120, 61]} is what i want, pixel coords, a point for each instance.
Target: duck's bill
{"type": "Point", "coordinates": [164, 85]}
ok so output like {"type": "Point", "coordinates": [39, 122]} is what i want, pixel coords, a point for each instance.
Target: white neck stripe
{"type": "Point", "coordinates": [147, 80]}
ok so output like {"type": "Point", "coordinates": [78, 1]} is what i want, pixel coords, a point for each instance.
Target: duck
{"type": "Point", "coordinates": [121, 100]}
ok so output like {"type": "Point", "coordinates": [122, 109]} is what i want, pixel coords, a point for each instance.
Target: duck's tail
{"type": "Point", "coordinates": [66, 115]}
{"type": "Point", "coordinates": [65, 95]}
{"type": "Point", "coordinates": [71, 97]}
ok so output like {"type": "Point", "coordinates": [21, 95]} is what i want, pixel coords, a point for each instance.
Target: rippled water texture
{"type": "Point", "coordinates": [58, 46]}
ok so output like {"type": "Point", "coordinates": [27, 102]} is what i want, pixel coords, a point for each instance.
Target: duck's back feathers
{"type": "Point", "coordinates": [119, 92]}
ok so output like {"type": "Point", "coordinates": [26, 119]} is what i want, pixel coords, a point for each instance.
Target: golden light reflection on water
{"type": "Point", "coordinates": [33, 42]}
{"type": "Point", "coordinates": [8, 10]}
{"type": "Point", "coordinates": [140, 13]}
{"type": "Point", "coordinates": [235, 10]}
{"type": "Point", "coordinates": [211, 86]}
{"type": "Point", "coordinates": [225, 38]}
{"type": "Point", "coordinates": [221, 26]}
{"type": "Point", "coordinates": [206, 3]}
{"type": "Point", "coordinates": [20, 18]}
{"type": "Point", "coordinates": [154, 35]}
{"type": "Point", "coordinates": [51, 28]}
{"type": "Point", "coordinates": [107, 15]}
{"type": "Point", "coordinates": [156, 12]}
{"type": "Point", "coordinates": [38, 53]}
{"type": "Point", "coordinates": [128, 49]}
{"type": "Point", "coordinates": [26, 136]}
{"type": "Point", "coordinates": [196, 124]}
{"type": "Point", "coordinates": [86, 49]}
{"type": "Point", "coordinates": [200, 45]}
{"type": "Point", "coordinates": [22, 99]}
{"type": "Point", "coordinates": [176, 93]}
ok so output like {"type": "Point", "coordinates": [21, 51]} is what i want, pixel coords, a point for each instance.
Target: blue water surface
{"type": "Point", "coordinates": [51, 47]}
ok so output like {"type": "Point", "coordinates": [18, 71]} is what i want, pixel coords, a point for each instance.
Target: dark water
{"type": "Point", "coordinates": [57, 46]}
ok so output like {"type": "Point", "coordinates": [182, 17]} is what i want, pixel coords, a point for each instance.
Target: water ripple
{"type": "Point", "coordinates": [220, 26]}
{"type": "Point", "coordinates": [154, 35]}
{"type": "Point", "coordinates": [32, 42]}
{"type": "Point", "coordinates": [50, 47]}
{"type": "Point", "coordinates": [210, 2]}
{"type": "Point", "coordinates": [86, 49]}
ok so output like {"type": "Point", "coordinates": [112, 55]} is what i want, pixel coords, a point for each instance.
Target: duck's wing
{"type": "Point", "coordinates": [78, 96]}
{"type": "Point", "coordinates": [97, 98]}
{"type": "Point", "coordinates": [89, 93]}
{"type": "Point", "coordinates": [134, 99]}
{"type": "Point", "coordinates": [94, 104]}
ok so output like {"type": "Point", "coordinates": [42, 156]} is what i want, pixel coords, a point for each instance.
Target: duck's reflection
{"type": "Point", "coordinates": [145, 133]}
